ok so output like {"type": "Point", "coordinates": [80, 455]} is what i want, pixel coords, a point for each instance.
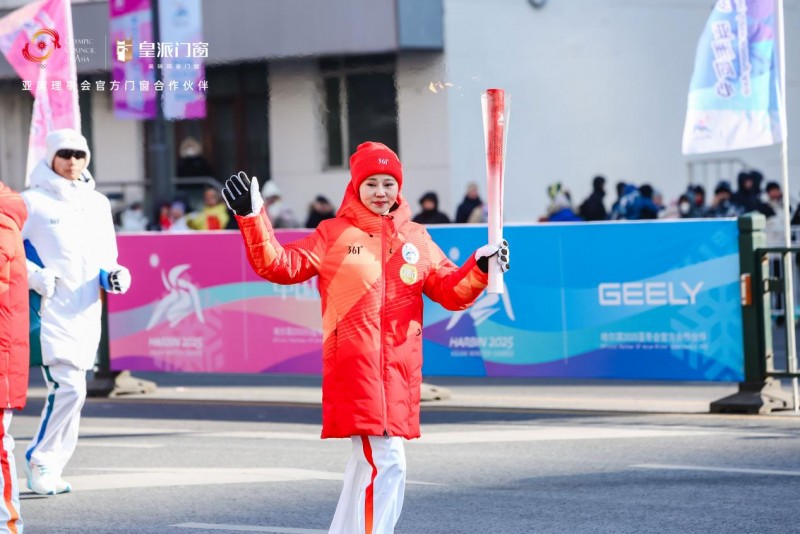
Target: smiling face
{"type": "Point", "coordinates": [379, 193]}
{"type": "Point", "coordinates": [68, 165]}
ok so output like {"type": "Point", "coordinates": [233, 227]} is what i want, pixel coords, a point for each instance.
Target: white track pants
{"type": "Point", "coordinates": [10, 520]}
{"type": "Point", "coordinates": [374, 487]}
{"type": "Point", "coordinates": [57, 435]}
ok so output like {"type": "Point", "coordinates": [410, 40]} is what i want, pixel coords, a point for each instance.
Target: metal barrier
{"type": "Point", "coordinates": [707, 172]}
{"type": "Point", "coordinates": [762, 286]}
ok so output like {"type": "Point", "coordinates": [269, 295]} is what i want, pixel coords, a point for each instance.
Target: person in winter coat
{"type": "Point", "coordinates": [319, 210]}
{"type": "Point", "coordinates": [281, 215]}
{"type": "Point", "coordinates": [721, 205]}
{"type": "Point", "coordinates": [471, 202]}
{"type": "Point", "coordinates": [593, 208]}
{"type": "Point", "coordinates": [14, 347]}
{"type": "Point", "coordinates": [213, 216]}
{"type": "Point", "coordinates": [374, 264]}
{"type": "Point", "coordinates": [430, 213]}
{"type": "Point", "coordinates": [748, 197]}
{"type": "Point", "coordinates": [636, 204]}
{"type": "Point", "coordinates": [72, 254]}
{"type": "Point", "coordinates": [560, 207]}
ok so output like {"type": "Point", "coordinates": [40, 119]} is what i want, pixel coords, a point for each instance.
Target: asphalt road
{"type": "Point", "coordinates": [145, 467]}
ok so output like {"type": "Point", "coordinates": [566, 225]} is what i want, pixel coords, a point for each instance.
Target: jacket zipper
{"type": "Point", "coordinates": [8, 353]}
{"type": "Point", "coordinates": [383, 311]}
{"type": "Point", "coordinates": [8, 382]}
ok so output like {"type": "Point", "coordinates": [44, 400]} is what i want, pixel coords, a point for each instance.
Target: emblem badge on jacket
{"type": "Point", "coordinates": [410, 254]}
{"type": "Point", "coordinates": [408, 274]}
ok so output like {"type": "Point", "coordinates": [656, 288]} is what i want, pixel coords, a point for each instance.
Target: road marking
{"type": "Point", "coordinates": [247, 528]}
{"type": "Point", "coordinates": [505, 434]}
{"type": "Point", "coordinates": [553, 433]}
{"type": "Point", "coordinates": [136, 477]}
{"type": "Point", "coordinates": [127, 431]}
{"type": "Point", "coordinates": [114, 445]}
{"type": "Point", "coordinates": [742, 470]}
{"type": "Point", "coordinates": [255, 434]}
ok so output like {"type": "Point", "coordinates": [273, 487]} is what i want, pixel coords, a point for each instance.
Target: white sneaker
{"type": "Point", "coordinates": [62, 486]}
{"type": "Point", "coordinates": [41, 480]}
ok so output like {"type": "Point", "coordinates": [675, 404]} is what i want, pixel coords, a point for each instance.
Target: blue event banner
{"type": "Point", "coordinates": [636, 300]}
{"type": "Point", "coordinates": [733, 96]}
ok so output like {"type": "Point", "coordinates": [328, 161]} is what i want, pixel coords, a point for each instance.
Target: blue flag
{"type": "Point", "coordinates": [733, 97]}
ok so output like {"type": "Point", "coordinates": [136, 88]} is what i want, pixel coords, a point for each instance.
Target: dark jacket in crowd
{"type": "Point", "coordinates": [466, 208]}
{"type": "Point", "coordinates": [321, 209]}
{"type": "Point", "coordinates": [748, 197]}
{"type": "Point", "coordinates": [636, 204]}
{"type": "Point", "coordinates": [432, 216]}
{"type": "Point", "coordinates": [593, 208]}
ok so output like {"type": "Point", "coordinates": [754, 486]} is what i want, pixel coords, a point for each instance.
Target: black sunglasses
{"type": "Point", "coordinates": [66, 153]}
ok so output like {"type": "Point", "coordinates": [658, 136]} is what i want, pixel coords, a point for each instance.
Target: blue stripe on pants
{"type": "Point", "coordinates": [51, 399]}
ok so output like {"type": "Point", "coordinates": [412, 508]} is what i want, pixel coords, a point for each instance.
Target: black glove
{"type": "Point", "coordinates": [483, 254]}
{"type": "Point", "coordinates": [242, 195]}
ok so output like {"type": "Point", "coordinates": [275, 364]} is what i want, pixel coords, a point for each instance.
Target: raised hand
{"type": "Point", "coordinates": [242, 195]}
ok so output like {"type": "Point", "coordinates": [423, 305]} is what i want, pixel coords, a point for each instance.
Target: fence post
{"type": "Point", "coordinates": [758, 393]}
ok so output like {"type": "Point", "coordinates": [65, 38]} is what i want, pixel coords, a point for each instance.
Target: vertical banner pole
{"type": "Point", "coordinates": [791, 343]}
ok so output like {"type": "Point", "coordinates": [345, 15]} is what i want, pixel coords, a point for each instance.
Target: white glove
{"type": "Point", "coordinates": [43, 282]}
{"type": "Point", "coordinates": [500, 252]}
{"type": "Point", "coordinates": [119, 281]}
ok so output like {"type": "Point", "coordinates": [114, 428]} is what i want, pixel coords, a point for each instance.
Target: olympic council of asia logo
{"type": "Point", "coordinates": [45, 41]}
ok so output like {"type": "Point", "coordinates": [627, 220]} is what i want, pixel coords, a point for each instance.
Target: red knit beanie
{"type": "Point", "coordinates": [370, 159]}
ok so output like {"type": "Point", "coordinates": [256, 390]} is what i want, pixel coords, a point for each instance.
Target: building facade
{"type": "Point", "coordinates": [597, 88]}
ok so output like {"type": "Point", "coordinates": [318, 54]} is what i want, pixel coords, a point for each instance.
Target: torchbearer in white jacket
{"type": "Point", "coordinates": [71, 231]}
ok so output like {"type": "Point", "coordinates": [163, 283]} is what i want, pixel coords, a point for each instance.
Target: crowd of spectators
{"type": "Point", "coordinates": [632, 202]}
{"type": "Point", "coordinates": [641, 202]}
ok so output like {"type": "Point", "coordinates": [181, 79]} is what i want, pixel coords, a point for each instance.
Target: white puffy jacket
{"type": "Point", "coordinates": [70, 226]}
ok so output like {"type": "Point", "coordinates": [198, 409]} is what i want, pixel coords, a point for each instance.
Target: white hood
{"type": "Point", "coordinates": [44, 177]}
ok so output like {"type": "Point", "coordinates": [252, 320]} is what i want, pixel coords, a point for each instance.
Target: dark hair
{"type": "Point", "coordinates": [773, 185]}
{"type": "Point", "coordinates": [430, 195]}
{"type": "Point", "coordinates": [723, 185]}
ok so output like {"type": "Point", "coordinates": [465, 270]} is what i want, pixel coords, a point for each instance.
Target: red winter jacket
{"type": "Point", "coordinates": [14, 351]}
{"type": "Point", "coordinates": [372, 273]}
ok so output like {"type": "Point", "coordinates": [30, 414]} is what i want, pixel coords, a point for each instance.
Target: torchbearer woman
{"type": "Point", "coordinates": [374, 265]}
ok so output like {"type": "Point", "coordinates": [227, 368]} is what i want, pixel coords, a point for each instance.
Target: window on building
{"type": "Point", "coordinates": [235, 133]}
{"type": "Point", "coordinates": [360, 104]}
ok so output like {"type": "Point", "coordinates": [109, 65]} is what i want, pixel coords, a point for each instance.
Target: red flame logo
{"type": "Point", "coordinates": [40, 42]}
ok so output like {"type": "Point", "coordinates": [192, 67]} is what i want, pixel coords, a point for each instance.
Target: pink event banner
{"type": "Point", "coordinates": [196, 305]}
{"type": "Point", "coordinates": [132, 75]}
{"type": "Point", "coordinates": [37, 40]}
{"type": "Point", "coordinates": [183, 69]}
